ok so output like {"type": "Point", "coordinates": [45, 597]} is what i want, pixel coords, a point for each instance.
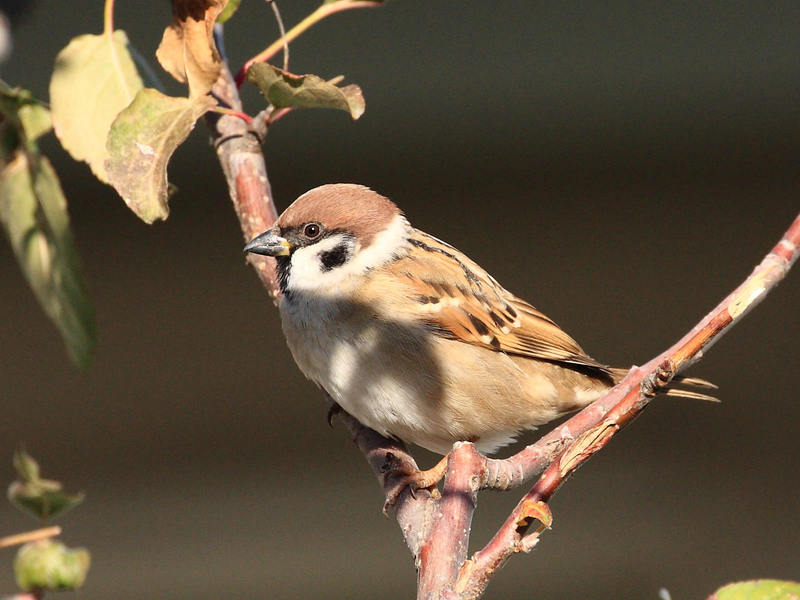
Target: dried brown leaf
{"type": "Point", "coordinates": [187, 50]}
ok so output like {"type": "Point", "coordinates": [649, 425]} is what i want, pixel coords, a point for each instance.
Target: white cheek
{"type": "Point", "coordinates": [307, 273]}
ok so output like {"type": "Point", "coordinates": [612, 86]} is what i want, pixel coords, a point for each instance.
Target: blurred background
{"type": "Point", "coordinates": [622, 165]}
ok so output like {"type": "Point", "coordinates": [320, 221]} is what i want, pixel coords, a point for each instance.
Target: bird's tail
{"type": "Point", "coordinates": [678, 380]}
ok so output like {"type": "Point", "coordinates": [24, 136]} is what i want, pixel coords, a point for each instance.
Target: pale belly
{"type": "Point", "coordinates": [403, 382]}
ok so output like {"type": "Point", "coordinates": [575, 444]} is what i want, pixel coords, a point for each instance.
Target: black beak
{"type": "Point", "coordinates": [269, 243]}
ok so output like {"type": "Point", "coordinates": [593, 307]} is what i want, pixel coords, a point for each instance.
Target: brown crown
{"type": "Point", "coordinates": [344, 206]}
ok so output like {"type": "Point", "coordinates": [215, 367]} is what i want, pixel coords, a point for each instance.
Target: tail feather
{"type": "Point", "coordinates": [678, 393]}
{"type": "Point", "coordinates": [695, 381]}
{"type": "Point", "coordinates": [618, 374]}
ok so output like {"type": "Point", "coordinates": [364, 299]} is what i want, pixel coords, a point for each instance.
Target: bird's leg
{"type": "Point", "coordinates": [398, 467]}
{"type": "Point", "coordinates": [413, 479]}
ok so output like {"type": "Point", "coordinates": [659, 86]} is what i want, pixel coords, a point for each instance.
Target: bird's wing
{"type": "Point", "coordinates": [458, 300]}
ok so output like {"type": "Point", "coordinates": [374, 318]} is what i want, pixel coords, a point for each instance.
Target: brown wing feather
{"type": "Point", "coordinates": [459, 300]}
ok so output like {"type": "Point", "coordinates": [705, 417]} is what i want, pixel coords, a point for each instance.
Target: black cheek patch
{"type": "Point", "coordinates": [335, 257]}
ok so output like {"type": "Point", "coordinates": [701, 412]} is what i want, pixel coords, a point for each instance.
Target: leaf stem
{"type": "Point", "coordinates": [277, 114]}
{"type": "Point", "coordinates": [320, 13]}
{"type": "Point", "coordinates": [235, 113]}
{"type": "Point", "coordinates": [282, 30]}
{"type": "Point", "coordinates": [108, 31]}
{"type": "Point", "coordinates": [108, 18]}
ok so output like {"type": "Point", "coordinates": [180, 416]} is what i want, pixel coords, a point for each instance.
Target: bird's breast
{"type": "Point", "coordinates": [384, 373]}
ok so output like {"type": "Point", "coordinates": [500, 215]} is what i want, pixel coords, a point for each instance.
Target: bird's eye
{"type": "Point", "coordinates": [312, 230]}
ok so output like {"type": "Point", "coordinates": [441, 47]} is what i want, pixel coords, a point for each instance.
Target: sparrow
{"type": "Point", "coordinates": [412, 337]}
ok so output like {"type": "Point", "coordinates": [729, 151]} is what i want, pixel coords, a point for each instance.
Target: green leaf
{"type": "Point", "coordinates": [228, 11]}
{"type": "Point", "coordinates": [42, 503]}
{"type": "Point", "coordinates": [41, 498]}
{"type": "Point", "coordinates": [762, 589]}
{"type": "Point", "coordinates": [33, 212]}
{"type": "Point", "coordinates": [286, 90]}
{"type": "Point", "coordinates": [140, 144]}
{"type": "Point", "coordinates": [19, 108]}
{"type": "Point", "coordinates": [25, 466]}
{"type": "Point", "coordinates": [93, 80]}
{"type": "Point", "coordinates": [48, 565]}
{"type": "Point", "coordinates": [35, 120]}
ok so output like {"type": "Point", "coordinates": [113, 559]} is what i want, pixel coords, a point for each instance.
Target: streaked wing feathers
{"type": "Point", "coordinates": [459, 300]}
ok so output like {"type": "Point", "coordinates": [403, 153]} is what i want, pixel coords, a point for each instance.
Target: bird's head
{"type": "Point", "coordinates": [330, 235]}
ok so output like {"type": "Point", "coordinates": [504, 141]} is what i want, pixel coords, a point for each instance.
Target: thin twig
{"type": "Point", "coordinates": [29, 536]}
{"type": "Point", "coordinates": [319, 14]}
{"type": "Point", "coordinates": [274, 6]}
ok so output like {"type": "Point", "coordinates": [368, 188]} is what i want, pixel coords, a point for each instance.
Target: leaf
{"type": "Point", "coordinates": [42, 503]}
{"type": "Point", "coordinates": [25, 466]}
{"type": "Point", "coordinates": [23, 119]}
{"type": "Point", "coordinates": [35, 120]}
{"type": "Point", "coordinates": [227, 13]}
{"type": "Point", "coordinates": [93, 80]}
{"type": "Point", "coordinates": [286, 90]}
{"type": "Point", "coordinates": [763, 589]}
{"type": "Point", "coordinates": [22, 110]}
{"type": "Point", "coordinates": [40, 498]}
{"type": "Point", "coordinates": [140, 144]}
{"type": "Point", "coordinates": [187, 50]}
{"type": "Point", "coordinates": [33, 212]}
{"type": "Point", "coordinates": [48, 565]}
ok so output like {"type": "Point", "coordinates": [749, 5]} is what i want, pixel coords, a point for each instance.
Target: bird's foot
{"type": "Point", "coordinates": [413, 479]}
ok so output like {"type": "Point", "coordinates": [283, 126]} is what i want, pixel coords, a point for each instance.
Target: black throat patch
{"type": "Point", "coordinates": [284, 267]}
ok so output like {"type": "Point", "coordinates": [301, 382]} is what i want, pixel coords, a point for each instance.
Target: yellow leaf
{"type": "Point", "coordinates": [93, 80]}
{"type": "Point", "coordinates": [140, 144]}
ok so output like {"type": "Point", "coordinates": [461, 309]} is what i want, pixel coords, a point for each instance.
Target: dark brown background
{"type": "Point", "coordinates": [620, 164]}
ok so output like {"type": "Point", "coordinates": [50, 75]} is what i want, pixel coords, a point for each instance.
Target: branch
{"type": "Point", "coordinates": [238, 146]}
{"type": "Point", "coordinates": [29, 536]}
{"type": "Point", "coordinates": [386, 458]}
{"type": "Point", "coordinates": [593, 428]}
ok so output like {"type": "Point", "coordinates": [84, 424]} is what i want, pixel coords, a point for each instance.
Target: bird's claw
{"type": "Point", "coordinates": [333, 410]}
{"type": "Point", "coordinates": [413, 479]}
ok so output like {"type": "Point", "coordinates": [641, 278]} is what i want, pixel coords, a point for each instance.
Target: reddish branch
{"type": "Point", "coordinates": [437, 529]}
{"type": "Point", "coordinates": [238, 146]}
{"type": "Point", "coordinates": [591, 429]}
